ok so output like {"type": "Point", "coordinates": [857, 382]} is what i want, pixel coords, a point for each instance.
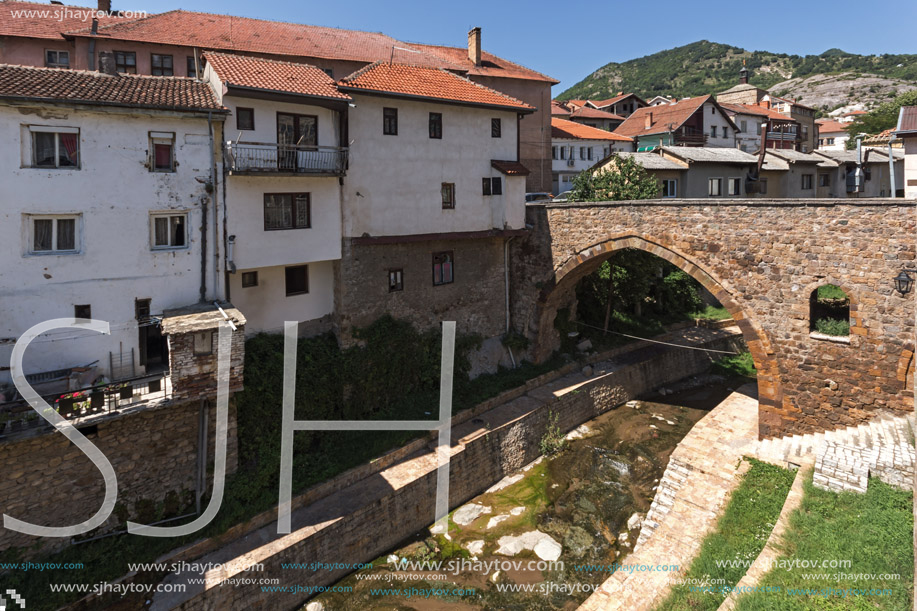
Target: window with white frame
{"type": "Point", "coordinates": [734, 186]}
{"type": "Point", "coordinates": [55, 147]}
{"type": "Point", "coordinates": [714, 187]}
{"type": "Point", "coordinates": [169, 230]}
{"type": "Point", "coordinates": [670, 187]}
{"type": "Point", "coordinates": [57, 59]}
{"type": "Point", "coordinates": [162, 151]}
{"type": "Point", "coordinates": [54, 234]}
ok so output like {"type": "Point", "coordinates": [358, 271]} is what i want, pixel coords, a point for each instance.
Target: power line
{"type": "Point", "coordinates": [654, 341]}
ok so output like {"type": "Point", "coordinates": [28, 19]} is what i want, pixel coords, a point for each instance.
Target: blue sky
{"type": "Point", "coordinates": [568, 39]}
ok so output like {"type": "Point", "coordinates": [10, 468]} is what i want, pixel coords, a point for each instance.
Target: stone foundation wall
{"type": "Point", "coordinates": [47, 480]}
{"type": "Point", "coordinates": [762, 259]}
{"type": "Point", "coordinates": [481, 456]}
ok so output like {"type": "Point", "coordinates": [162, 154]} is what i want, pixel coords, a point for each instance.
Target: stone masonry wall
{"type": "Point", "coordinates": [46, 480]}
{"type": "Point", "coordinates": [481, 456]}
{"type": "Point", "coordinates": [762, 259]}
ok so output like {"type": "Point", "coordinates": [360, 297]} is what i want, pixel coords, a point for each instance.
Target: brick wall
{"type": "Point", "coordinates": [761, 259]}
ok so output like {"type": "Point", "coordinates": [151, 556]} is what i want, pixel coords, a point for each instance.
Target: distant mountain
{"type": "Point", "coordinates": [827, 81]}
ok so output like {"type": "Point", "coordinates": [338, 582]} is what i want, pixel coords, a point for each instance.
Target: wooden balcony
{"type": "Point", "coordinates": [264, 158]}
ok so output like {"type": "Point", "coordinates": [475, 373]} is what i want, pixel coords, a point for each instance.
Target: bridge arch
{"type": "Point", "coordinates": [558, 289]}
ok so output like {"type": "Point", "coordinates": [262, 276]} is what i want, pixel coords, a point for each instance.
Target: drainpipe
{"type": "Point", "coordinates": [891, 165]}
{"type": "Point", "coordinates": [213, 194]}
{"type": "Point", "coordinates": [860, 177]}
{"type": "Point", "coordinates": [506, 282]}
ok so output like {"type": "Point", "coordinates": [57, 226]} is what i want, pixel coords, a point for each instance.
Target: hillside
{"type": "Point", "coordinates": [708, 67]}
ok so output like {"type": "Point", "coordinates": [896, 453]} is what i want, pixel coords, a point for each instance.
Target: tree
{"type": "Point", "coordinates": [624, 179]}
{"type": "Point", "coordinates": [882, 117]}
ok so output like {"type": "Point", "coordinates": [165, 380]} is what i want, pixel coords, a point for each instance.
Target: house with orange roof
{"type": "Point", "coordinates": [696, 121]}
{"type": "Point", "coordinates": [622, 104]}
{"type": "Point", "coordinates": [757, 123]}
{"type": "Point", "coordinates": [832, 135]}
{"type": "Point", "coordinates": [587, 115]}
{"type": "Point", "coordinates": [576, 147]}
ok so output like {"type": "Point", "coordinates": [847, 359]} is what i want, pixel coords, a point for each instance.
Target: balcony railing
{"type": "Point", "coordinates": [254, 158]}
{"type": "Point", "coordinates": [781, 136]}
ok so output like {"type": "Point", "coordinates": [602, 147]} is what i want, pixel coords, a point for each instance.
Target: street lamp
{"type": "Point", "coordinates": [903, 281]}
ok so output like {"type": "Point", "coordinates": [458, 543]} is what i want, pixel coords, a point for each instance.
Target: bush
{"type": "Point", "coordinates": [553, 441]}
{"type": "Point", "coordinates": [738, 365]}
{"type": "Point", "coordinates": [832, 326]}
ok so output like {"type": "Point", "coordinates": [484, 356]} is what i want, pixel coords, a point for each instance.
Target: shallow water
{"type": "Point", "coordinates": [581, 498]}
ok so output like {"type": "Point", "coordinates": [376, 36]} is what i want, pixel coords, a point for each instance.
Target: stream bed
{"type": "Point", "coordinates": [544, 537]}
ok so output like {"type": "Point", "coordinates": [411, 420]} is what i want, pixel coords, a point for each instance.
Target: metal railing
{"type": "Point", "coordinates": [16, 415]}
{"type": "Point", "coordinates": [273, 158]}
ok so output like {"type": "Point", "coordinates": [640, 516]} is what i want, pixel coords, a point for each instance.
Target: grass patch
{"type": "Point", "coordinates": [832, 326]}
{"type": "Point", "coordinates": [712, 313]}
{"type": "Point", "coordinates": [736, 365]}
{"type": "Point", "coordinates": [740, 535]}
{"type": "Point", "coordinates": [874, 531]}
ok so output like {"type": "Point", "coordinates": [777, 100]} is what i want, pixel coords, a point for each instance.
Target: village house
{"type": "Point", "coordinates": [669, 173]}
{"type": "Point", "coordinates": [832, 135]}
{"type": "Point", "coordinates": [791, 173]}
{"type": "Point", "coordinates": [906, 130]}
{"type": "Point", "coordinates": [711, 172]}
{"type": "Point", "coordinates": [780, 131]}
{"type": "Point", "coordinates": [697, 122]}
{"type": "Point", "coordinates": [586, 115]}
{"type": "Point", "coordinates": [112, 210]}
{"type": "Point", "coordinates": [576, 147]}
{"type": "Point", "coordinates": [876, 170]}
{"type": "Point", "coordinates": [623, 104]}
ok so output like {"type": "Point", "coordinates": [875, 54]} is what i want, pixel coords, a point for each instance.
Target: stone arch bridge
{"type": "Point", "coordinates": [761, 259]}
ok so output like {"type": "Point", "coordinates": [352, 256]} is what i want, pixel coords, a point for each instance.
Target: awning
{"type": "Point", "coordinates": [509, 168]}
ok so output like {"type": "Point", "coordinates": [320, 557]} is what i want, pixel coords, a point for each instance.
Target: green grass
{"type": "Point", "coordinates": [737, 365]}
{"type": "Point", "coordinates": [874, 531]}
{"type": "Point", "coordinates": [832, 326]}
{"type": "Point", "coordinates": [830, 291]}
{"type": "Point", "coordinates": [740, 535]}
{"type": "Point", "coordinates": [712, 313]}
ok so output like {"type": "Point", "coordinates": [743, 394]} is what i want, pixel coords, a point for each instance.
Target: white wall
{"type": "Point", "coordinates": [266, 120]}
{"type": "Point", "coordinates": [573, 145]}
{"type": "Point", "coordinates": [750, 137]}
{"type": "Point", "coordinates": [394, 182]}
{"type": "Point", "coordinates": [713, 117]}
{"type": "Point", "coordinates": [115, 194]}
{"type": "Point", "coordinates": [267, 306]}
{"type": "Point", "coordinates": [910, 167]}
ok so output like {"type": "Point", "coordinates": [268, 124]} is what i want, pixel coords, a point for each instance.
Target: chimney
{"type": "Point", "coordinates": [107, 63]}
{"type": "Point", "coordinates": [105, 6]}
{"type": "Point", "coordinates": [648, 120]}
{"type": "Point", "coordinates": [474, 46]}
{"type": "Point", "coordinates": [743, 74]}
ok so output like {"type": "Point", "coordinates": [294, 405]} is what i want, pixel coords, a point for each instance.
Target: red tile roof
{"type": "Point", "coordinates": [403, 80]}
{"type": "Point", "coordinates": [754, 109]}
{"type": "Point", "coordinates": [42, 20]}
{"type": "Point", "coordinates": [491, 65]}
{"type": "Point", "coordinates": [831, 127]}
{"type": "Point", "coordinates": [621, 96]}
{"type": "Point", "coordinates": [665, 117]}
{"type": "Point", "coordinates": [510, 168]}
{"type": "Point", "coordinates": [93, 88]}
{"type": "Point", "coordinates": [907, 120]}
{"type": "Point", "coordinates": [258, 73]}
{"type": "Point", "coordinates": [561, 128]}
{"type": "Point", "coordinates": [587, 112]}
{"type": "Point", "coordinates": [229, 33]}
{"type": "Point", "coordinates": [559, 110]}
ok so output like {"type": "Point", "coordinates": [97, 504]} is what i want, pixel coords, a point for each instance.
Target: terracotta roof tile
{"type": "Point", "coordinates": [754, 109]}
{"type": "Point", "coordinates": [831, 127]}
{"type": "Point", "coordinates": [561, 128]}
{"type": "Point", "coordinates": [510, 168]}
{"type": "Point", "coordinates": [42, 20]}
{"type": "Point", "coordinates": [587, 112]}
{"type": "Point", "coordinates": [491, 65]}
{"type": "Point", "coordinates": [258, 73]}
{"type": "Point", "coordinates": [666, 117]}
{"type": "Point", "coordinates": [603, 103]}
{"type": "Point", "coordinates": [93, 88]}
{"type": "Point", "coordinates": [559, 110]}
{"type": "Point", "coordinates": [427, 83]}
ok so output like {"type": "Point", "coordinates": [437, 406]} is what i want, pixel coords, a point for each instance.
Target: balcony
{"type": "Point", "coordinates": [263, 158]}
{"type": "Point", "coordinates": [790, 136]}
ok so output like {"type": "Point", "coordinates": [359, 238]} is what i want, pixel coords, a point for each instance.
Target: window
{"type": "Point", "coordinates": [390, 121]}
{"type": "Point", "coordinates": [442, 268]}
{"type": "Point", "coordinates": [297, 279]}
{"type": "Point", "coordinates": [734, 186]}
{"type": "Point", "coordinates": [830, 141]}
{"type": "Point", "coordinates": [161, 65]}
{"type": "Point", "coordinates": [170, 231]}
{"type": "Point", "coordinates": [249, 279]}
{"type": "Point", "coordinates": [582, 153]}
{"type": "Point", "coordinates": [203, 343]}
{"type": "Point", "coordinates": [54, 234]}
{"type": "Point", "coordinates": [806, 181]}
{"type": "Point", "coordinates": [57, 59]}
{"type": "Point", "coordinates": [725, 132]}
{"type": "Point", "coordinates": [162, 149]}
{"type": "Point", "coordinates": [142, 309]}
{"type": "Point", "coordinates": [328, 71]}
{"type": "Point", "coordinates": [713, 131]}
{"type": "Point", "coordinates": [395, 280]}
{"type": "Point", "coordinates": [496, 128]}
{"type": "Point", "coordinates": [126, 62]}
{"type": "Point", "coordinates": [829, 311]}
{"type": "Point", "coordinates": [82, 311]}
{"type": "Point", "coordinates": [744, 126]}
{"type": "Point", "coordinates": [553, 152]}
{"type": "Point", "coordinates": [589, 153]}
{"type": "Point", "coordinates": [245, 119]}
{"type": "Point", "coordinates": [762, 185]}
{"type": "Point", "coordinates": [192, 66]}
{"type": "Point", "coordinates": [492, 186]}
{"type": "Point", "coordinates": [448, 194]}
{"type": "Point", "coordinates": [758, 129]}
{"type": "Point", "coordinates": [670, 188]}
{"type": "Point", "coordinates": [563, 152]}
{"type": "Point", "coordinates": [436, 125]}
{"type": "Point", "coordinates": [287, 211]}
{"type": "Point", "coordinates": [824, 180]}
{"type": "Point", "coordinates": [715, 187]}
{"type": "Point", "coordinates": [55, 147]}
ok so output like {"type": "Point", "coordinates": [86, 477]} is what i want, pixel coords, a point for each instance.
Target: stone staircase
{"type": "Point", "coordinates": [845, 458]}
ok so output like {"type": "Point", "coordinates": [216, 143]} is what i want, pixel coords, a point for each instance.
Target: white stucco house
{"type": "Point", "coordinates": [907, 131]}
{"type": "Point", "coordinates": [576, 147]}
{"type": "Point", "coordinates": [110, 209]}
{"type": "Point", "coordinates": [832, 135]}
{"type": "Point", "coordinates": [284, 159]}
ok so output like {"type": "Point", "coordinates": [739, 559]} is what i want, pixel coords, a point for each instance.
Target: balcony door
{"type": "Point", "coordinates": [293, 132]}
